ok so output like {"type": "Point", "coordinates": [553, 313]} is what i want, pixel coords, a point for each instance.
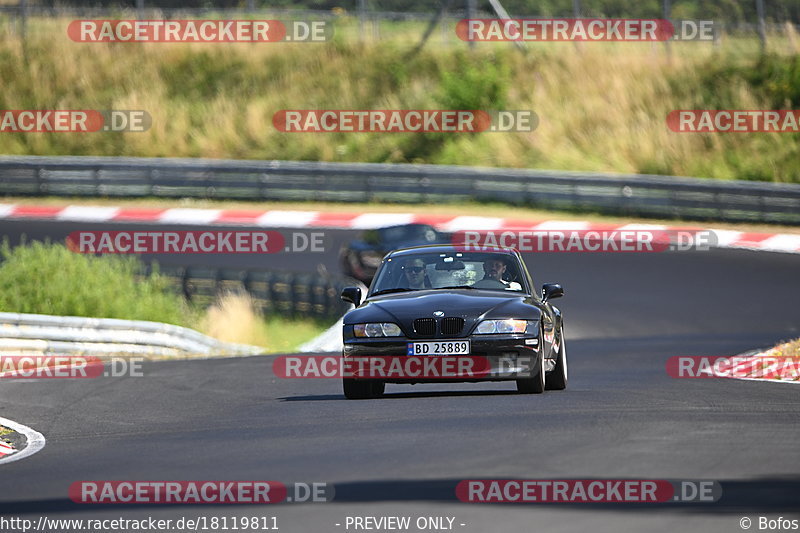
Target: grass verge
{"type": "Point", "coordinates": [46, 278]}
{"type": "Point", "coordinates": [602, 106]}
{"type": "Point", "coordinates": [787, 349]}
{"type": "Point", "coordinates": [234, 318]}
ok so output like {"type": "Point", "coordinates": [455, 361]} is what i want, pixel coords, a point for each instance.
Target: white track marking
{"type": "Point", "coordinates": [87, 213]}
{"type": "Point", "coordinates": [562, 225]}
{"type": "Point", "coordinates": [6, 210]}
{"type": "Point", "coordinates": [36, 440]}
{"type": "Point", "coordinates": [378, 220]}
{"type": "Point", "coordinates": [189, 216]}
{"type": "Point", "coordinates": [473, 223]}
{"type": "Point", "coordinates": [287, 219]}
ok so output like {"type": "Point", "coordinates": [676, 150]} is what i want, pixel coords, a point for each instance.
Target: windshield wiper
{"type": "Point", "coordinates": [388, 291]}
{"type": "Point", "coordinates": [456, 287]}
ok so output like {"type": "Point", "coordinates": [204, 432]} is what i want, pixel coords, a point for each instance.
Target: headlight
{"type": "Point", "coordinates": [377, 329]}
{"type": "Point", "coordinates": [502, 326]}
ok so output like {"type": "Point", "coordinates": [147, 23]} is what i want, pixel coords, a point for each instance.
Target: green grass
{"type": "Point", "coordinates": [49, 279]}
{"type": "Point", "coordinates": [602, 106]}
{"type": "Point", "coordinates": [285, 335]}
{"type": "Point", "coordinates": [787, 349]}
{"type": "Point", "coordinates": [46, 278]}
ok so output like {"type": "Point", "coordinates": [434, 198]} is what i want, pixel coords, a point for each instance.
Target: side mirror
{"type": "Point", "coordinates": [552, 290]}
{"type": "Point", "coordinates": [352, 295]}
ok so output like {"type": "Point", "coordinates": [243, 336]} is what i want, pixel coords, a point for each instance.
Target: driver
{"type": "Point", "coordinates": [414, 275]}
{"type": "Point", "coordinates": [494, 268]}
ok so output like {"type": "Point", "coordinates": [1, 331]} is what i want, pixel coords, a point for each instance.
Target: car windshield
{"type": "Point", "coordinates": [443, 270]}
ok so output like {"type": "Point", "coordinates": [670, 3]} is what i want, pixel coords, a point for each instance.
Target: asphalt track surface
{"type": "Point", "coordinates": [622, 416]}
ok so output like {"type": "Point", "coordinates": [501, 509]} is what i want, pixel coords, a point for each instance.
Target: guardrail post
{"type": "Point", "coordinates": [23, 15]}
{"type": "Point", "coordinates": [96, 178]}
{"type": "Point", "coordinates": [762, 27]}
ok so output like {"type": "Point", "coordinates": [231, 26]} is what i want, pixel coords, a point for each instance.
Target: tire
{"type": "Point", "coordinates": [360, 389]}
{"type": "Point", "coordinates": [534, 385]}
{"type": "Point", "coordinates": [557, 379]}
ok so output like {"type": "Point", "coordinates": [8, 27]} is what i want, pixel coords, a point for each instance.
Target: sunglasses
{"type": "Point", "coordinates": [415, 270]}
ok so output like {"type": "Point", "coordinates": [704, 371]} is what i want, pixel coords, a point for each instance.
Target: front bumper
{"type": "Point", "coordinates": [491, 358]}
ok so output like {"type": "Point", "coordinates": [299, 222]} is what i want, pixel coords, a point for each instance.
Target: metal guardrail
{"type": "Point", "coordinates": [617, 194]}
{"type": "Point", "coordinates": [21, 332]}
{"type": "Point", "coordinates": [276, 293]}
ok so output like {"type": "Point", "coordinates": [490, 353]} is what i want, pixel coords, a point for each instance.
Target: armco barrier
{"type": "Point", "coordinates": [618, 194]}
{"type": "Point", "coordinates": [286, 293]}
{"type": "Point", "coordinates": [21, 332]}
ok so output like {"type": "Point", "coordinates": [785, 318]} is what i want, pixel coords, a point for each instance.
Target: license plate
{"type": "Point", "coordinates": [438, 348]}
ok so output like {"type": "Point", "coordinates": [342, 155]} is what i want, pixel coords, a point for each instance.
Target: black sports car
{"type": "Point", "coordinates": [361, 258]}
{"type": "Point", "coordinates": [434, 303]}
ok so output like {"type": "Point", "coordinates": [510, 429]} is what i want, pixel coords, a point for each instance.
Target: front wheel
{"type": "Point", "coordinates": [362, 389]}
{"type": "Point", "coordinates": [534, 385]}
{"type": "Point", "coordinates": [557, 379]}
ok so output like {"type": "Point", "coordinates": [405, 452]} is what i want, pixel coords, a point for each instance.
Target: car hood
{"type": "Point", "coordinates": [472, 305]}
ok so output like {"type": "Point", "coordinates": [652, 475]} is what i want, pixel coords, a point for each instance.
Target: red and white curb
{"type": "Point", "coordinates": [35, 442]}
{"type": "Point", "coordinates": [6, 449]}
{"type": "Point", "coordinates": [770, 242]}
{"type": "Point", "coordinates": [749, 357]}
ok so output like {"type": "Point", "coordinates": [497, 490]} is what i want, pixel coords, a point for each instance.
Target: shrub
{"type": "Point", "coordinates": [47, 278]}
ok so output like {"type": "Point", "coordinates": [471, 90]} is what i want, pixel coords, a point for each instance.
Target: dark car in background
{"type": "Point", "coordinates": [442, 301]}
{"type": "Point", "coordinates": [360, 258]}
